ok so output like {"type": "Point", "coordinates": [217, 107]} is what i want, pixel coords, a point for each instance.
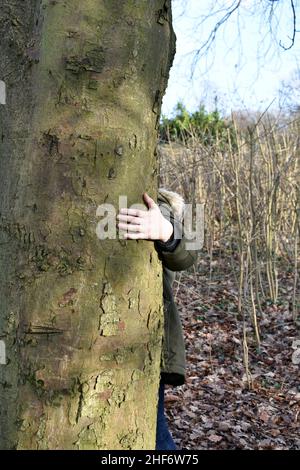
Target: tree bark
{"type": "Point", "coordinates": [81, 318]}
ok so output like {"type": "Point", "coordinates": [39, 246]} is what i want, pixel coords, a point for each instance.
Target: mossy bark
{"type": "Point", "coordinates": [81, 318]}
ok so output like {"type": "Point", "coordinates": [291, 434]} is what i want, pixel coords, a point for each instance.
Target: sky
{"type": "Point", "coordinates": [244, 67]}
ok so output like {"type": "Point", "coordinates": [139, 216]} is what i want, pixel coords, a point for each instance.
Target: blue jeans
{"type": "Point", "coordinates": [164, 440]}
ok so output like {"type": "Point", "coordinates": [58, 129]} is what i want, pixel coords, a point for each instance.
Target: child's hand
{"type": "Point", "coordinates": [148, 225]}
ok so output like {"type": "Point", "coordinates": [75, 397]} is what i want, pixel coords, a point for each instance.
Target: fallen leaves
{"type": "Point", "coordinates": [296, 353]}
{"type": "Point", "coordinates": [215, 438]}
{"type": "Point", "coordinates": [215, 408]}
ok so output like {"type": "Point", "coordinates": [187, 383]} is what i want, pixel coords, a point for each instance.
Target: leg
{"type": "Point", "coordinates": [164, 440]}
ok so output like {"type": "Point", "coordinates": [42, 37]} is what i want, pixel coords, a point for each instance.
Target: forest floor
{"type": "Point", "coordinates": [216, 408]}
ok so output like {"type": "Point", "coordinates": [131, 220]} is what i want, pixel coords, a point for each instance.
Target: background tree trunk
{"type": "Point", "coordinates": [81, 318]}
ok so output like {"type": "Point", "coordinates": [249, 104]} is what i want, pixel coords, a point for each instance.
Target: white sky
{"type": "Point", "coordinates": [237, 68]}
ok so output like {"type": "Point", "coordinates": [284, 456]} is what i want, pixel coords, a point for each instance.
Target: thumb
{"type": "Point", "coordinates": [150, 203]}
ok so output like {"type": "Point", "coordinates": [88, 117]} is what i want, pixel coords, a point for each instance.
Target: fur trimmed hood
{"type": "Point", "coordinates": [175, 200]}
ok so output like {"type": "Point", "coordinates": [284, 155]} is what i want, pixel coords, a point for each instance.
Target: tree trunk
{"type": "Point", "coordinates": [81, 318]}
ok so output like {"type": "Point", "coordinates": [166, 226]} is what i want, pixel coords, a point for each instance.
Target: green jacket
{"type": "Point", "coordinates": [174, 257]}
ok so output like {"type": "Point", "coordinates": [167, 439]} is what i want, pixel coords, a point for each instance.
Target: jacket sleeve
{"type": "Point", "coordinates": [180, 258]}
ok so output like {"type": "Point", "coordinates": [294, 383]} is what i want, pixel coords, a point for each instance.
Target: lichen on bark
{"type": "Point", "coordinates": [84, 83]}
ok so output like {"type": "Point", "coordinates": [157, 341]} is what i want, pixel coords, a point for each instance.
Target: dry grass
{"type": "Point", "coordinates": [249, 185]}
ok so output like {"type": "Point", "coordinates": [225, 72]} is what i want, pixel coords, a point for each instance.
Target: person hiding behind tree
{"type": "Point", "coordinates": [162, 223]}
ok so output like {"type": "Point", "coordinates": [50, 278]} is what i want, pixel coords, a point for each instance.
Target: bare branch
{"type": "Point", "coordinates": [265, 9]}
{"type": "Point", "coordinates": [294, 28]}
{"type": "Point", "coordinates": [234, 7]}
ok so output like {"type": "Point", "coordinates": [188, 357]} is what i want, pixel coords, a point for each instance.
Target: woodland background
{"type": "Point", "coordinates": [240, 304]}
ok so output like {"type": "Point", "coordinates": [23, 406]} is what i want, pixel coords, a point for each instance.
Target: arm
{"type": "Point", "coordinates": [174, 254]}
{"type": "Point", "coordinates": [159, 225]}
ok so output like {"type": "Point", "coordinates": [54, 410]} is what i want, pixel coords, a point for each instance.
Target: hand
{"type": "Point", "coordinates": [147, 225]}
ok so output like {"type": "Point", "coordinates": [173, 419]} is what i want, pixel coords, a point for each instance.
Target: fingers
{"type": "Point", "coordinates": [133, 212]}
{"type": "Point", "coordinates": [134, 222]}
{"type": "Point", "coordinates": [149, 201]}
{"type": "Point", "coordinates": [130, 218]}
{"type": "Point", "coordinates": [135, 236]}
{"type": "Point", "coordinates": [130, 227]}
